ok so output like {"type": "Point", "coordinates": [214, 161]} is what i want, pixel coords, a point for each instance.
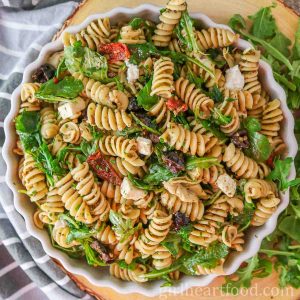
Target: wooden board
{"type": "Point", "coordinates": [220, 11]}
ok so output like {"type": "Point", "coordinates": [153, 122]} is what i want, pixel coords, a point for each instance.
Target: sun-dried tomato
{"type": "Point", "coordinates": [115, 51]}
{"type": "Point", "coordinates": [176, 105]}
{"type": "Point", "coordinates": [103, 168]}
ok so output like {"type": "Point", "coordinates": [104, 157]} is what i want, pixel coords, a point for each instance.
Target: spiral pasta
{"type": "Point", "coordinates": [249, 64]}
{"type": "Point", "coordinates": [239, 163]}
{"type": "Point", "coordinates": [271, 118]}
{"type": "Point", "coordinates": [60, 233]}
{"type": "Point", "coordinates": [70, 133]}
{"type": "Point", "coordinates": [193, 210]}
{"type": "Point", "coordinates": [155, 233]}
{"type": "Point", "coordinates": [265, 207]}
{"type": "Point", "coordinates": [100, 27]}
{"type": "Point", "coordinates": [168, 20]}
{"type": "Point", "coordinates": [161, 113]}
{"type": "Point", "coordinates": [28, 100]}
{"type": "Point", "coordinates": [104, 233]}
{"type": "Point", "coordinates": [111, 191]}
{"type": "Point", "coordinates": [90, 192]}
{"type": "Point", "coordinates": [232, 238]}
{"type": "Point", "coordinates": [127, 274]}
{"type": "Point", "coordinates": [162, 258]}
{"type": "Point", "coordinates": [258, 107]}
{"type": "Point", "coordinates": [215, 38]}
{"type": "Point", "coordinates": [73, 201]}
{"type": "Point", "coordinates": [106, 118]}
{"type": "Point", "coordinates": [33, 179]}
{"type": "Point", "coordinates": [128, 35]}
{"type": "Point", "coordinates": [121, 147]}
{"type": "Point", "coordinates": [200, 270]}
{"type": "Point", "coordinates": [234, 124]}
{"type": "Point", "coordinates": [258, 188]}
{"type": "Point", "coordinates": [199, 103]}
{"type": "Point", "coordinates": [184, 140]}
{"type": "Point", "coordinates": [162, 83]}
{"type": "Point", "coordinates": [49, 127]}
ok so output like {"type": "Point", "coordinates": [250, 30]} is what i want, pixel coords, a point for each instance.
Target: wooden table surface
{"type": "Point", "coordinates": [220, 11]}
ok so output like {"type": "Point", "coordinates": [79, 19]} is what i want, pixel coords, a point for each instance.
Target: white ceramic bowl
{"type": "Point", "coordinates": [101, 277]}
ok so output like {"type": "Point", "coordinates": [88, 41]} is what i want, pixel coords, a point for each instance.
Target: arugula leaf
{"type": "Point", "coordinates": [295, 73]}
{"type": "Point", "coordinates": [80, 234]}
{"type": "Point", "coordinates": [123, 265]}
{"type": "Point", "coordinates": [61, 68]}
{"type": "Point", "coordinates": [139, 183]}
{"type": "Point", "coordinates": [264, 25]}
{"type": "Point", "coordinates": [281, 172]}
{"type": "Point", "coordinates": [158, 174]}
{"type": "Point", "coordinates": [290, 226]}
{"type": "Point", "coordinates": [296, 47]}
{"type": "Point", "coordinates": [137, 23]}
{"type": "Point", "coordinates": [184, 233]}
{"type": "Point", "coordinates": [144, 126]}
{"type": "Point", "coordinates": [122, 227]}
{"type": "Point", "coordinates": [172, 243]}
{"type": "Point", "coordinates": [260, 148]}
{"type": "Point", "coordinates": [185, 33]}
{"type": "Point", "coordinates": [220, 118]}
{"type": "Point", "coordinates": [27, 122]}
{"type": "Point", "coordinates": [237, 22]}
{"type": "Point", "coordinates": [140, 52]}
{"type": "Point", "coordinates": [193, 162]}
{"type": "Point", "coordinates": [144, 99]}
{"type": "Point", "coordinates": [198, 81]}
{"type": "Point", "coordinates": [181, 119]}
{"type": "Point", "coordinates": [290, 85]}
{"type": "Point", "coordinates": [65, 90]}
{"type": "Point", "coordinates": [210, 126]}
{"type": "Point", "coordinates": [281, 42]}
{"type": "Point", "coordinates": [216, 94]}
{"type": "Point", "coordinates": [86, 61]}
{"type": "Point", "coordinates": [244, 218]}
{"type": "Point", "coordinates": [91, 256]}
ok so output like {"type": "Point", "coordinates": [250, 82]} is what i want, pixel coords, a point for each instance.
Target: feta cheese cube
{"type": "Point", "coordinates": [144, 146]}
{"type": "Point", "coordinates": [69, 109]}
{"type": "Point", "coordinates": [132, 72]}
{"type": "Point", "coordinates": [226, 184]}
{"type": "Point", "coordinates": [129, 191]}
{"type": "Point", "coordinates": [234, 79]}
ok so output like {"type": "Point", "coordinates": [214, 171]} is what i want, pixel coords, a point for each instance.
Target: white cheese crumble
{"type": "Point", "coordinates": [226, 184]}
{"type": "Point", "coordinates": [144, 146]}
{"type": "Point", "coordinates": [234, 79]}
{"type": "Point", "coordinates": [129, 191]}
{"type": "Point", "coordinates": [69, 109]}
{"type": "Point", "coordinates": [132, 72]}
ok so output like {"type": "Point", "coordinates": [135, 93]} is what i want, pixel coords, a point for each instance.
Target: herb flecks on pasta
{"type": "Point", "coordinates": [148, 146]}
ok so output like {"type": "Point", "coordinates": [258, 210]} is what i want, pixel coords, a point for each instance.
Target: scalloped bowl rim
{"type": "Point", "coordinates": [102, 278]}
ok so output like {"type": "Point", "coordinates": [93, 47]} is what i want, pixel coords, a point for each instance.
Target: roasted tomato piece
{"type": "Point", "coordinates": [115, 51]}
{"type": "Point", "coordinates": [176, 105]}
{"type": "Point", "coordinates": [103, 168]}
{"type": "Point", "coordinates": [270, 160]}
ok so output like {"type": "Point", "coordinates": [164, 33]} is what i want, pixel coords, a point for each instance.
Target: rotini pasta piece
{"type": "Point", "coordinates": [144, 202]}
{"type": "Point", "coordinates": [271, 118]}
{"type": "Point", "coordinates": [232, 238]}
{"type": "Point", "coordinates": [128, 211]}
{"type": "Point", "coordinates": [123, 168]}
{"type": "Point", "coordinates": [258, 188]}
{"type": "Point", "coordinates": [206, 230]}
{"type": "Point", "coordinates": [161, 113]}
{"type": "Point", "coordinates": [33, 179]}
{"type": "Point", "coordinates": [278, 145]}
{"type": "Point", "coordinates": [175, 275]}
{"type": "Point", "coordinates": [100, 27]}
{"type": "Point", "coordinates": [206, 271]}
{"type": "Point", "coordinates": [174, 45]}
{"type": "Point", "coordinates": [60, 233]}
{"type": "Point", "coordinates": [121, 147]}
{"type": "Point", "coordinates": [156, 232]}
{"type": "Point", "coordinates": [37, 220]}
{"type": "Point", "coordinates": [127, 274]}
{"type": "Point", "coordinates": [206, 175]}
{"type": "Point", "coordinates": [128, 35]}
{"type": "Point", "coordinates": [239, 163]}
{"type": "Point", "coordinates": [243, 100]}
{"type": "Point", "coordinates": [49, 127]}
{"type": "Point", "coordinates": [184, 140]}
{"type": "Point", "coordinates": [111, 191]}
{"type": "Point", "coordinates": [146, 66]}
{"type": "Point", "coordinates": [259, 104]}
{"type": "Point", "coordinates": [19, 148]}
{"type": "Point", "coordinates": [215, 38]}
{"type": "Point", "coordinates": [265, 207]}
{"type": "Point", "coordinates": [73, 202]}
{"type": "Point", "coordinates": [125, 250]}
{"type": "Point", "coordinates": [104, 94]}
{"type": "Point", "coordinates": [70, 133]}
{"type": "Point", "coordinates": [162, 84]}
{"type": "Point", "coordinates": [169, 18]}
{"type": "Point", "coordinates": [115, 67]}
{"type": "Point", "coordinates": [90, 191]}
{"type": "Point", "coordinates": [263, 170]}
{"type": "Point", "coordinates": [198, 102]}
{"type": "Point", "coordinates": [28, 100]}
{"type": "Point", "coordinates": [162, 258]}
{"type": "Point", "coordinates": [249, 65]}
{"type": "Point", "coordinates": [107, 118]}
{"type": "Point", "coordinates": [234, 124]}
{"type": "Point", "coordinates": [104, 233]}
{"type": "Point", "coordinates": [193, 210]}
{"type": "Point", "coordinates": [91, 41]}
{"type": "Point", "coordinates": [51, 207]}
{"type": "Point", "coordinates": [148, 212]}
{"type": "Point", "coordinates": [85, 131]}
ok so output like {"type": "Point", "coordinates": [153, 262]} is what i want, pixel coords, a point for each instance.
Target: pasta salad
{"type": "Point", "coordinates": [150, 148]}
